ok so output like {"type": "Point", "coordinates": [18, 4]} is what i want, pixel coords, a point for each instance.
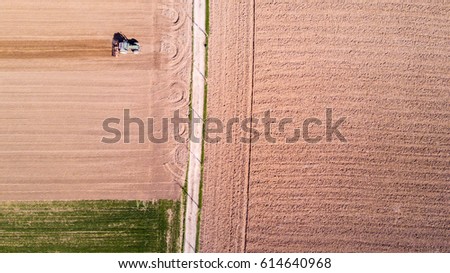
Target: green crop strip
{"type": "Point", "coordinates": [90, 226]}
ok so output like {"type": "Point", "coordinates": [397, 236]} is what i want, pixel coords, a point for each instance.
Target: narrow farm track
{"type": "Point", "coordinates": [197, 116]}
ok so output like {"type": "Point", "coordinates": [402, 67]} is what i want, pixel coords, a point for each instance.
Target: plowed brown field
{"type": "Point", "coordinates": [58, 82]}
{"type": "Point", "coordinates": [383, 66]}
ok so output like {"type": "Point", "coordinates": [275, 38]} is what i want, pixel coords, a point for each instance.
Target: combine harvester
{"type": "Point", "coordinates": [121, 44]}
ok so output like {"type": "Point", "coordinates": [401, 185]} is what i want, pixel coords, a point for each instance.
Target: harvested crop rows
{"type": "Point", "coordinates": [382, 66]}
{"type": "Point", "coordinates": [59, 83]}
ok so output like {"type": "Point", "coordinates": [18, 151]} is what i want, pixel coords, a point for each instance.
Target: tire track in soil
{"type": "Point", "coordinates": [251, 128]}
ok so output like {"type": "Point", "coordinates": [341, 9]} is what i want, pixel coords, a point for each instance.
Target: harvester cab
{"type": "Point", "coordinates": [121, 44]}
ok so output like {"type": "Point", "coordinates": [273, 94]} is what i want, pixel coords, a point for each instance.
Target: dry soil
{"type": "Point", "coordinates": [385, 67]}
{"type": "Point", "coordinates": [58, 82]}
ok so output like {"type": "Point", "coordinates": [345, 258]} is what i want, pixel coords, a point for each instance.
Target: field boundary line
{"type": "Point", "coordinates": [247, 193]}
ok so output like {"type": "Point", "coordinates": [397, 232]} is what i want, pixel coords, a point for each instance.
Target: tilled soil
{"type": "Point", "coordinates": [58, 83]}
{"type": "Point", "coordinates": [226, 164]}
{"type": "Point", "coordinates": [385, 68]}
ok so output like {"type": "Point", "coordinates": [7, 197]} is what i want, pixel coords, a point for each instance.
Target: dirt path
{"type": "Point", "coordinates": [196, 144]}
